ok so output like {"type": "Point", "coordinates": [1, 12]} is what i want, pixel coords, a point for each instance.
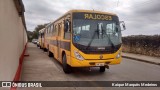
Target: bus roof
{"type": "Point", "coordinates": [89, 11]}
{"type": "Point", "coordinates": [42, 30]}
{"type": "Point", "coordinates": [78, 10]}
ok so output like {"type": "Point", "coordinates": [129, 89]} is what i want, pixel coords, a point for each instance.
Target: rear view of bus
{"type": "Point", "coordinates": [96, 39]}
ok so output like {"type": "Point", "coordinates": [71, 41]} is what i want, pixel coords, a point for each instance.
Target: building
{"type": "Point", "coordinates": [13, 39]}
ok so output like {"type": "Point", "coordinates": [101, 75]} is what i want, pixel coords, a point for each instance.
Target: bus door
{"type": "Point", "coordinates": [59, 41]}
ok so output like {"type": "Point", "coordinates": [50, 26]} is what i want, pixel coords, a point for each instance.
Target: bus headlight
{"type": "Point", "coordinates": [118, 55]}
{"type": "Point", "coordinates": [78, 56]}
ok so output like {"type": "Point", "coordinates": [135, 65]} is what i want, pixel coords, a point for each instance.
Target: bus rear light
{"type": "Point", "coordinates": [78, 56]}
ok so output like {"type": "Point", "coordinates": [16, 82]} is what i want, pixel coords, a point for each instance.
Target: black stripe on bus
{"type": "Point", "coordinates": [63, 44]}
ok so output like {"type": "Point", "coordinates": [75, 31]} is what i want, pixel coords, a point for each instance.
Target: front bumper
{"type": "Point", "coordinates": [92, 63]}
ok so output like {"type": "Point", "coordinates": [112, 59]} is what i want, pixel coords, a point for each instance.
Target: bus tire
{"type": "Point", "coordinates": [44, 49]}
{"type": "Point", "coordinates": [102, 69]}
{"type": "Point", "coordinates": [66, 67]}
{"type": "Point", "coordinates": [49, 53]}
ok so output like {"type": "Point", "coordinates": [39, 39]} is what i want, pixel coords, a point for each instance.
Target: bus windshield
{"type": "Point", "coordinates": [96, 33]}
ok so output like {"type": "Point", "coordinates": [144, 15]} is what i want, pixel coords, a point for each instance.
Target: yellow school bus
{"type": "Point", "coordinates": [85, 38]}
{"type": "Point", "coordinates": [41, 38]}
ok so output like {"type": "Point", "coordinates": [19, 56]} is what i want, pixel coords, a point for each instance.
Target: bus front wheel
{"type": "Point", "coordinates": [66, 67]}
{"type": "Point", "coordinates": [102, 69]}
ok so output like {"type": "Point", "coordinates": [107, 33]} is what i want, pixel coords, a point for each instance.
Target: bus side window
{"type": "Point", "coordinates": [56, 30]}
{"type": "Point", "coordinates": [42, 34]}
{"type": "Point", "coordinates": [67, 29]}
{"type": "Point", "coordinates": [59, 29]}
{"type": "Point", "coordinates": [53, 29]}
{"type": "Point", "coordinates": [48, 31]}
{"type": "Point", "coordinates": [45, 32]}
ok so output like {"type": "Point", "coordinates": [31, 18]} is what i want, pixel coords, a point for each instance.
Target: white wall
{"type": "Point", "coordinates": [13, 38]}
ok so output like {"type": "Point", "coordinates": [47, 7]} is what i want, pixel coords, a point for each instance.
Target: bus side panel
{"type": "Point", "coordinates": [56, 50]}
{"type": "Point", "coordinates": [65, 47]}
{"type": "Point", "coordinates": [42, 43]}
{"type": "Point", "coordinates": [53, 46]}
{"type": "Point", "coordinates": [45, 43]}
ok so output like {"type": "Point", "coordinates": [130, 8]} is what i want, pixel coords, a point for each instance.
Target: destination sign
{"type": "Point", "coordinates": [94, 16]}
{"type": "Point", "coordinates": [97, 16]}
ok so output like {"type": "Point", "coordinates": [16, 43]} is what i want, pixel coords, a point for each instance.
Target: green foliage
{"type": "Point", "coordinates": [34, 34]}
{"type": "Point", "coordinates": [30, 34]}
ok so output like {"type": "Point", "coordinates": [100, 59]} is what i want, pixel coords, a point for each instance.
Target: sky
{"type": "Point", "coordinates": [141, 16]}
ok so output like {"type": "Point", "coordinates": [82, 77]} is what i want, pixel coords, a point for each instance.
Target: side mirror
{"type": "Point", "coordinates": [122, 25]}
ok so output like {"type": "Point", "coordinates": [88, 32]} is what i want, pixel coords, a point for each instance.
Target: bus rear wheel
{"type": "Point", "coordinates": [44, 49]}
{"type": "Point", "coordinates": [66, 67]}
{"type": "Point", "coordinates": [102, 69]}
{"type": "Point", "coordinates": [49, 53]}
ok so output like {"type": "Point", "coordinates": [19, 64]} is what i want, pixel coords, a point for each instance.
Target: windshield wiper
{"type": "Point", "coordinates": [97, 30]}
{"type": "Point", "coordinates": [103, 31]}
{"type": "Point", "coordinates": [89, 44]}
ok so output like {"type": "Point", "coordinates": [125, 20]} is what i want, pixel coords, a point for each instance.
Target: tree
{"type": "Point", "coordinates": [34, 34]}
{"type": "Point", "coordinates": [30, 34]}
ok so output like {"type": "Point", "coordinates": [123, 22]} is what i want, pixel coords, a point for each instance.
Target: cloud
{"type": "Point", "coordinates": [140, 16]}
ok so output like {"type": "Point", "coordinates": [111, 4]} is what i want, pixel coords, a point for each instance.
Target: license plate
{"type": "Point", "coordinates": [99, 64]}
